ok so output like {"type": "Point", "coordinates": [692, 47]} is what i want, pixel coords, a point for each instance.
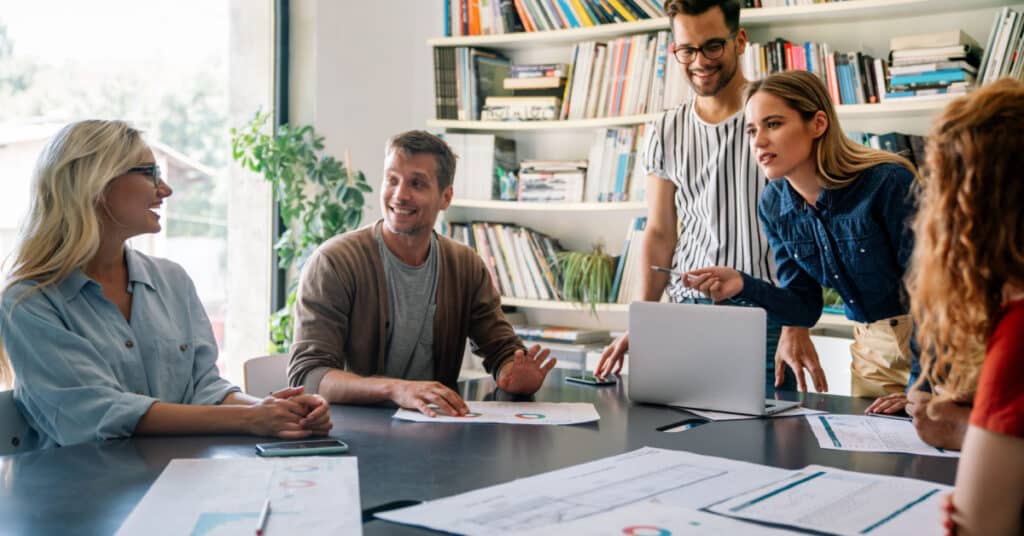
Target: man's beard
{"type": "Point", "coordinates": [724, 77]}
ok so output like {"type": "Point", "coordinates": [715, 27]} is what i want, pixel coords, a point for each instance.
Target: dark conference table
{"type": "Point", "coordinates": [91, 488]}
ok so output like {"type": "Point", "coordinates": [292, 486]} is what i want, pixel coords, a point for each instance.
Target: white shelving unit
{"type": "Point", "coordinates": [853, 10]}
{"type": "Point", "coordinates": [628, 206]}
{"type": "Point", "coordinates": [852, 25]}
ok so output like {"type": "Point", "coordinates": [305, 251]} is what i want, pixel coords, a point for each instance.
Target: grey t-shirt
{"type": "Point", "coordinates": [411, 304]}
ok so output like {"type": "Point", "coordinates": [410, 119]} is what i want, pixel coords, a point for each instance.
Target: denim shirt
{"type": "Point", "coordinates": [83, 373]}
{"type": "Point", "coordinates": [856, 240]}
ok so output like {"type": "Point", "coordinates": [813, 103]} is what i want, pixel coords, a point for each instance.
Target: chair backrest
{"type": "Point", "coordinates": [264, 375]}
{"type": "Point", "coordinates": [14, 431]}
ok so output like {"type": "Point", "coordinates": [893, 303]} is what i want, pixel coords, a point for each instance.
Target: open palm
{"type": "Point", "coordinates": [525, 372]}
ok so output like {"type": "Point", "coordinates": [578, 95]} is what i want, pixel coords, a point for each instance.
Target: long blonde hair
{"type": "Point", "coordinates": [62, 230]}
{"type": "Point", "coordinates": [969, 231]}
{"type": "Point", "coordinates": [839, 159]}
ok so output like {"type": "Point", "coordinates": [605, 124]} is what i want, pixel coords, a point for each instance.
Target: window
{"type": "Point", "coordinates": [162, 65]}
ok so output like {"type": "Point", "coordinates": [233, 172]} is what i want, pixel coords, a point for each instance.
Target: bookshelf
{"type": "Point", "coordinates": [865, 25]}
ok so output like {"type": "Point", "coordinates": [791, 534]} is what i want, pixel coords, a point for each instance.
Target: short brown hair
{"type": "Point", "coordinates": [422, 142]}
{"type": "Point", "coordinates": [730, 8]}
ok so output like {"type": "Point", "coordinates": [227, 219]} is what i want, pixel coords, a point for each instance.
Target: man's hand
{"type": "Point", "coordinates": [890, 403]}
{"type": "Point", "coordinates": [716, 282]}
{"type": "Point", "coordinates": [525, 372]}
{"type": "Point", "coordinates": [428, 396]}
{"type": "Point", "coordinates": [942, 425]}
{"type": "Point", "coordinates": [613, 357]}
{"type": "Point", "coordinates": [798, 352]}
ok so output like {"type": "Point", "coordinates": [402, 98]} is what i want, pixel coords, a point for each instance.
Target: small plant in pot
{"type": "Point", "coordinates": [586, 277]}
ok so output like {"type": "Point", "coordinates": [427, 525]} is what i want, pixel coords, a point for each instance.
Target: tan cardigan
{"type": "Point", "coordinates": [341, 314]}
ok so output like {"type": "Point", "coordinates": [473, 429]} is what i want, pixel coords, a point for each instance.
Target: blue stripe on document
{"type": "Point", "coordinates": [828, 428]}
{"type": "Point", "coordinates": [889, 517]}
{"type": "Point", "coordinates": [792, 485]}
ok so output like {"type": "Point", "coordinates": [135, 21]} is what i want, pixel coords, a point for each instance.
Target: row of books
{"type": "Point", "coordinates": [626, 76]}
{"type": "Point", "coordinates": [484, 17]}
{"type": "Point", "coordinates": [561, 334]}
{"type": "Point", "coordinates": [851, 77]}
{"type": "Point", "coordinates": [615, 170]}
{"type": "Point", "coordinates": [628, 265]}
{"type": "Point", "coordinates": [464, 78]}
{"type": "Point", "coordinates": [932, 65]}
{"type": "Point", "coordinates": [910, 146]}
{"type": "Point", "coordinates": [551, 181]}
{"type": "Point", "coordinates": [1004, 53]}
{"type": "Point", "coordinates": [485, 167]}
{"type": "Point", "coordinates": [522, 262]}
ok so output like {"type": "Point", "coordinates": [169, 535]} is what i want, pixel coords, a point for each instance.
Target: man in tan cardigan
{"type": "Point", "coordinates": [383, 312]}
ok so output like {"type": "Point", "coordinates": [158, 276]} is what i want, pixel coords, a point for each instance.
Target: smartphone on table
{"type": "Point", "coordinates": [306, 447]}
{"type": "Point", "coordinates": [590, 379]}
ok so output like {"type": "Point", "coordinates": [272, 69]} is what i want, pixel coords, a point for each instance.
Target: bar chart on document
{"type": "Point", "coordinates": [215, 497]}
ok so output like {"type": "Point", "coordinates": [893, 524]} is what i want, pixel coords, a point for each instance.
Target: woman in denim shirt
{"type": "Point", "coordinates": [107, 342]}
{"type": "Point", "coordinates": [839, 219]}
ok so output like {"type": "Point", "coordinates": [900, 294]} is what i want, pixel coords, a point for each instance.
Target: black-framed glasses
{"type": "Point", "coordinates": [712, 50]}
{"type": "Point", "coordinates": [149, 170]}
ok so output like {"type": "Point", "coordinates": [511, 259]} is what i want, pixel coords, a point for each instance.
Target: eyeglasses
{"type": "Point", "coordinates": [149, 170]}
{"type": "Point", "coordinates": [712, 50]}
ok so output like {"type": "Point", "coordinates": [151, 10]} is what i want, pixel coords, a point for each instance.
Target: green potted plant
{"type": "Point", "coordinates": [318, 197]}
{"type": "Point", "coordinates": [586, 277]}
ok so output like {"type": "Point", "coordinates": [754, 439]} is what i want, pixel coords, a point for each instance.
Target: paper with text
{"type": "Point", "coordinates": [224, 496]}
{"type": "Point", "coordinates": [671, 478]}
{"type": "Point", "coordinates": [844, 502]}
{"type": "Point", "coordinates": [648, 518]}
{"type": "Point", "coordinates": [871, 434]}
{"type": "Point", "coordinates": [530, 413]}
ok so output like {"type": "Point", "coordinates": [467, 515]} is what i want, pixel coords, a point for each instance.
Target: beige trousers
{"type": "Point", "coordinates": [881, 356]}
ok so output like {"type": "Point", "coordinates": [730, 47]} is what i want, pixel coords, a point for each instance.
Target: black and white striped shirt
{"type": "Point", "coordinates": [718, 185]}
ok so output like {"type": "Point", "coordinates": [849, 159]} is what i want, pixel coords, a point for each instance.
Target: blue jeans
{"type": "Point", "coordinates": [771, 344]}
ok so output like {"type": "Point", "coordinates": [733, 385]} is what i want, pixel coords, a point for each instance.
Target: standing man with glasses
{"type": "Point", "coordinates": [703, 181]}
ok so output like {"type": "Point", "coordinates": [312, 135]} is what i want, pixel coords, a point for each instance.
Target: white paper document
{"type": "Point", "coordinates": [670, 478]}
{"type": "Point", "coordinates": [844, 502]}
{"type": "Point", "coordinates": [224, 496]}
{"type": "Point", "coordinates": [530, 413]}
{"type": "Point", "coordinates": [720, 416]}
{"type": "Point", "coordinates": [871, 434]}
{"type": "Point", "coordinates": [648, 518]}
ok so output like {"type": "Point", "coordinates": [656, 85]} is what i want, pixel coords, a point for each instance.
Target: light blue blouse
{"type": "Point", "coordinates": [83, 373]}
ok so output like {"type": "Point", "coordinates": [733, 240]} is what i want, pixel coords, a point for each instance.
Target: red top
{"type": "Point", "coordinates": [999, 402]}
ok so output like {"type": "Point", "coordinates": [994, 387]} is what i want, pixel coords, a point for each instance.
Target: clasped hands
{"type": "Point", "coordinates": [290, 414]}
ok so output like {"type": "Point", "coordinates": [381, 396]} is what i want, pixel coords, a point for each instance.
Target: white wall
{"type": "Point", "coordinates": [362, 72]}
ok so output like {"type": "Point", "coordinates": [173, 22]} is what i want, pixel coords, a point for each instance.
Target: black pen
{"type": "Point", "coordinates": [261, 526]}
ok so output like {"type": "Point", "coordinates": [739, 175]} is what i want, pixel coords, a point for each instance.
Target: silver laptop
{"type": "Point", "coordinates": [699, 356]}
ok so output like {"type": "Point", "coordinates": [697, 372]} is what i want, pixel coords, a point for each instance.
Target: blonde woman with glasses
{"type": "Point", "coordinates": [838, 218]}
{"type": "Point", "coordinates": [105, 341]}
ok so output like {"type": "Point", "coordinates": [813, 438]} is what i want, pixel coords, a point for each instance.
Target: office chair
{"type": "Point", "coordinates": [264, 375]}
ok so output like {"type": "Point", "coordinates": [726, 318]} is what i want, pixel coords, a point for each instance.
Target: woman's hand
{"type": "Point", "coordinates": [278, 417]}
